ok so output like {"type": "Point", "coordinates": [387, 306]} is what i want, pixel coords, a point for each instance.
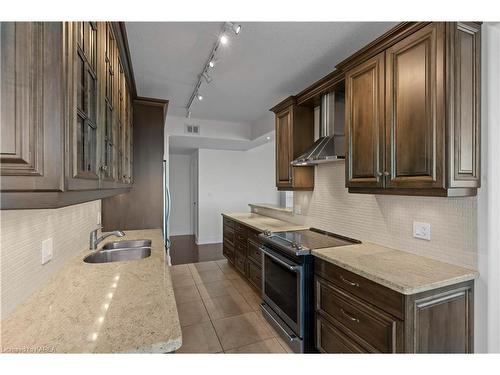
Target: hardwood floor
{"type": "Point", "coordinates": [220, 312]}
{"type": "Point", "coordinates": [184, 250]}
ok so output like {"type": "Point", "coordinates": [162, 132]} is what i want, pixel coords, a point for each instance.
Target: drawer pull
{"type": "Point", "coordinates": [351, 283]}
{"type": "Point", "coordinates": [350, 317]}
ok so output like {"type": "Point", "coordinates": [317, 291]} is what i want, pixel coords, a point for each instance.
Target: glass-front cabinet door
{"type": "Point", "coordinates": [83, 83]}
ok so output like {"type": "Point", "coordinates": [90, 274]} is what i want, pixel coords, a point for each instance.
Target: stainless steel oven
{"type": "Point", "coordinates": [283, 287]}
{"type": "Point", "coordinates": [288, 282]}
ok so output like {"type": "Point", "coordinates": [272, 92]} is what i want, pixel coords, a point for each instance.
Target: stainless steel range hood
{"type": "Point", "coordinates": [330, 144]}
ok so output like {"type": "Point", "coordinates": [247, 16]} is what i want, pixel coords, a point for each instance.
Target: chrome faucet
{"type": "Point", "coordinates": [94, 240]}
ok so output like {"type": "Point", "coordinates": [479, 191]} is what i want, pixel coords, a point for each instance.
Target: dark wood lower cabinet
{"type": "Point", "coordinates": [241, 249]}
{"type": "Point", "coordinates": [331, 340]}
{"type": "Point", "coordinates": [347, 321]}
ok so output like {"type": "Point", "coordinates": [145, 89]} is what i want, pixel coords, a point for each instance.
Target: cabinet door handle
{"type": "Point", "coordinates": [350, 317]}
{"type": "Point", "coordinates": [379, 174]}
{"type": "Point", "coordinates": [351, 283]}
{"type": "Point", "coordinates": [386, 173]}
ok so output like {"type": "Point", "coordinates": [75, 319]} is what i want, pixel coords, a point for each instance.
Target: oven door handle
{"type": "Point", "coordinates": [291, 267]}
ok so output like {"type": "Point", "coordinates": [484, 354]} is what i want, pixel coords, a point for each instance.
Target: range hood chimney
{"type": "Point", "coordinates": [330, 144]}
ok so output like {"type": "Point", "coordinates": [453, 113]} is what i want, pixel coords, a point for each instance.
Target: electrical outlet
{"type": "Point", "coordinates": [298, 209]}
{"type": "Point", "coordinates": [422, 230]}
{"type": "Point", "coordinates": [47, 250]}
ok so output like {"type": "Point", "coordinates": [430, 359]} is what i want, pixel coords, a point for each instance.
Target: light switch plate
{"type": "Point", "coordinates": [47, 250]}
{"type": "Point", "coordinates": [422, 230]}
{"type": "Point", "coordinates": [298, 209]}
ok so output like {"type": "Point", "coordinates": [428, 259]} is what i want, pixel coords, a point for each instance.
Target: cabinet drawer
{"type": "Point", "coordinates": [241, 248]}
{"type": "Point", "coordinates": [255, 274]}
{"type": "Point", "coordinates": [330, 340]}
{"type": "Point", "coordinates": [228, 234]}
{"type": "Point", "coordinates": [240, 228]}
{"type": "Point", "coordinates": [380, 296]}
{"type": "Point", "coordinates": [376, 329]}
{"type": "Point", "coordinates": [228, 252]}
{"type": "Point", "coordinates": [253, 252]}
{"type": "Point", "coordinates": [240, 262]}
{"type": "Point", "coordinates": [239, 237]}
{"type": "Point", "coordinates": [228, 222]}
{"type": "Point", "coordinates": [253, 235]}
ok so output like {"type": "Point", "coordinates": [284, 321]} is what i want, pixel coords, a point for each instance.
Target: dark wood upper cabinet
{"type": "Point", "coordinates": [66, 96]}
{"type": "Point", "coordinates": [415, 110]}
{"type": "Point", "coordinates": [364, 122]}
{"type": "Point", "coordinates": [32, 106]}
{"type": "Point", "coordinates": [414, 94]}
{"type": "Point", "coordinates": [294, 133]}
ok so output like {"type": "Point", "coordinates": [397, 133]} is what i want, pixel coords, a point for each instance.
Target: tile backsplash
{"type": "Point", "coordinates": [21, 236]}
{"type": "Point", "coordinates": [388, 220]}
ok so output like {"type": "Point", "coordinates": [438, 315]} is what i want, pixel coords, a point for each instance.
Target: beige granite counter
{"type": "Point", "coordinates": [273, 207]}
{"type": "Point", "coordinates": [263, 223]}
{"type": "Point", "coordinates": [102, 308]}
{"type": "Point", "coordinates": [398, 270]}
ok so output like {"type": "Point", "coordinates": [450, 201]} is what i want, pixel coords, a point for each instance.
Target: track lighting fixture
{"type": "Point", "coordinates": [204, 77]}
{"type": "Point", "coordinates": [234, 27]}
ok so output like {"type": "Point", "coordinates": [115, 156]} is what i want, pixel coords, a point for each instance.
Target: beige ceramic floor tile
{"type": "Point", "coordinates": [265, 346]}
{"type": "Point", "coordinates": [199, 338]}
{"type": "Point", "coordinates": [284, 345]}
{"type": "Point", "coordinates": [229, 271]}
{"type": "Point", "coordinates": [180, 269]}
{"type": "Point", "coordinates": [254, 300]}
{"type": "Point", "coordinates": [186, 294]}
{"type": "Point", "coordinates": [237, 331]}
{"type": "Point", "coordinates": [192, 312]}
{"type": "Point", "coordinates": [242, 286]}
{"type": "Point", "coordinates": [216, 288]}
{"type": "Point", "coordinates": [182, 279]}
{"type": "Point", "coordinates": [207, 276]}
{"type": "Point", "coordinates": [226, 306]}
{"type": "Point", "coordinates": [203, 266]}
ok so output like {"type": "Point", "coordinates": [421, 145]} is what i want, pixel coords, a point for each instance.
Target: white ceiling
{"type": "Point", "coordinates": [267, 62]}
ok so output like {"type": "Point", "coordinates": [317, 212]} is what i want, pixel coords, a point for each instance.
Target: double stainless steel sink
{"type": "Point", "coordinates": [119, 251]}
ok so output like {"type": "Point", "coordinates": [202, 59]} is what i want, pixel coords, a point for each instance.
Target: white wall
{"type": "Point", "coordinates": [180, 190]}
{"type": "Point", "coordinates": [228, 181]}
{"type": "Point", "coordinates": [487, 293]}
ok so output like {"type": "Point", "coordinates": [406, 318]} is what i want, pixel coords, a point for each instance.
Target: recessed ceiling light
{"type": "Point", "coordinates": [224, 39]}
{"type": "Point", "coordinates": [268, 138]}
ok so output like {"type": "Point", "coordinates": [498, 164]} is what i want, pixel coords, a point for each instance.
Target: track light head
{"type": "Point", "coordinates": [200, 97]}
{"type": "Point", "coordinates": [207, 78]}
{"type": "Point", "coordinates": [211, 64]}
{"type": "Point", "coordinates": [224, 39]}
{"type": "Point", "coordinates": [236, 28]}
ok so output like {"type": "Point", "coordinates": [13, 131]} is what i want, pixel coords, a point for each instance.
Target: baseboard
{"type": "Point", "coordinates": [208, 241]}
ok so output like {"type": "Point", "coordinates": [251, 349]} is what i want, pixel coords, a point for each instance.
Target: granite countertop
{"type": "Point", "coordinates": [263, 223]}
{"type": "Point", "coordinates": [398, 270]}
{"type": "Point", "coordinates": [100, 308]}
{"type": "Point", "coordinates": [273, 207]}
